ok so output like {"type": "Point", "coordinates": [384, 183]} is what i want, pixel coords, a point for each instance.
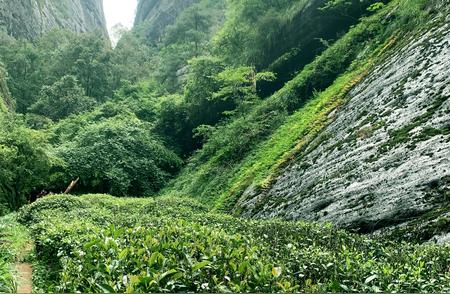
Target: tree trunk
{"type": "Point", "coordinates": [71, 186]}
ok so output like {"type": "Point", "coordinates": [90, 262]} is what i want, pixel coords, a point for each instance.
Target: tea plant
{"type": "Point", "coordinates": [97, 243]}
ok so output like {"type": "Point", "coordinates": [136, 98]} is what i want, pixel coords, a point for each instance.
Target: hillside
{"type": "Point", "coordinates": [350, 149]}
{"type": "Point", "coordinates": [228, 146]}
{"type": "Point", "coordinates": [30, 19]}
{"type": "Point", "coordinates": [382, 159]}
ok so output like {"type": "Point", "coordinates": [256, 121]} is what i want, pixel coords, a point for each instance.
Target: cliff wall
{"type": "Point", "coordinates": [30, 18]}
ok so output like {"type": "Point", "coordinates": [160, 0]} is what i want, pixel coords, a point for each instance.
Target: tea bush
{"type": "Point", "coordinates": [29, 214]}
{"type": "Point", "coordinates": [98, 243]}
{"type": "Point", "coordinates": [179, 256]}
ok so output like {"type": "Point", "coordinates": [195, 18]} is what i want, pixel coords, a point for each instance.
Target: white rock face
{"type": "Point", "coordinates": [442, 239]}
{"type": "Point", "coordinates": [30, 18]}
{"type": "Point", "coordinates": [385, 159]}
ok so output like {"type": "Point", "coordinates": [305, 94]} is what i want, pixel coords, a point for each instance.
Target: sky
{"type": "Point", "coordinates": [119, 11]}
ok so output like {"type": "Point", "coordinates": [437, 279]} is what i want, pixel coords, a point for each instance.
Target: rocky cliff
{"type": "Point", "coordinates": [385, 157]}
{"type": "Point", "coordinates": [31, 18]}
{"type": "Point", "coordinates": [156, 15]}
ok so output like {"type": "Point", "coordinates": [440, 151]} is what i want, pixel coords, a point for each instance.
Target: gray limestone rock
{"type": "Point", "coordinates": [156, 15]}
{"type": "Point", "coordinates": [385, 159]}
{"type": "Point", "coordinates": [30, 18]}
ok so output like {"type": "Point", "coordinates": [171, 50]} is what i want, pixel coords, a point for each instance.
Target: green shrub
{"type": "Point", "coordinates": [165, 246]}
{"type": "Point", "coordinates": [30, 214]}
{"type": "Point", "coordinates": [24, 162]}
{"type": "Point", "coordinates": [178, 256]}
{"type": "Point", "coordinates": [62, 99]}
{"type": "Point", "coordinates": [168, 206]}
{"type": "Point", "coordinates": [118, 156]}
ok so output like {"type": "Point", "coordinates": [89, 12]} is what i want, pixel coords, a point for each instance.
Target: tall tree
{"type": "Point", "coordinates": [24, 163]}
{"type": "Point", "coordinates": [63, 98]}
{"type": "Point", "coordinates": [89, 60]}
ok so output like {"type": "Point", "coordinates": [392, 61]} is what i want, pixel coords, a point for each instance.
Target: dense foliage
{"type": "Point", "coordinates": [65, 84]}
{"type": "Point", "coordinates": [62, 99]}
{"type": "Point", "coordinates": [119, 156]}
{"type": "Point", "coordinates": [31, 66]}
{"type": "Point", "coordinates": [169, 244]}
{"type": "Point", "coordinates": [24, 163]}
{"type": "Point", "coordinates": [186, 38]}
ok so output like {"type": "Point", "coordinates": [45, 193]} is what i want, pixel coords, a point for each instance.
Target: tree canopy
{"type": "Point", "coordinates": [65, 97]}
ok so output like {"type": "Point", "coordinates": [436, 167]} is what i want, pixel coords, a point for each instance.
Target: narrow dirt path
{"type": "Point", "coordinates": [24, 278]}
{"type": "Point", "coordinates": [24, 272]}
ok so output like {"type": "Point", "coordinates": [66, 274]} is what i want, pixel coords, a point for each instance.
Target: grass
{"type": "Point", "coordinates": [13, 239]}
{"type": "Point", "coordinates": [7, 284]}
{"type": "Point", "coordinates": [97, 243]}
{"type": "Point", "coordinates": [289, 140]}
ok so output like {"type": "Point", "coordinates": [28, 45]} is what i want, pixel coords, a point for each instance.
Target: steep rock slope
{"type": "Point", "coordinates": [30, 18]}
{"type": "Point", "coordinates": [385, 158]}
{"type": "Point", "coordinates": [156, 15]}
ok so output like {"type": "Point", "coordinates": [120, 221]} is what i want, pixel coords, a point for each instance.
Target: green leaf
{"type": "Point", "coordinates": [200, 265]}
{"type": "Point", "coordinates": [242, 267]}
{"type": "Point", "coordinates": [224, 289]}
{"type": "Point", "coordinates": [167, 274]}
{"type": "Point", "coordinates": [123, 253]}
{"type": "Point", "coordinates": [308, 283]}
{"type": "Point", "coordinates": [106, 288]}
{"type": "Point", "coordinates": [153, 258]}
{"type": "Point", "coordinates": [376, 289]}
{"type": "Point", "coordinates": [370, 279]}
